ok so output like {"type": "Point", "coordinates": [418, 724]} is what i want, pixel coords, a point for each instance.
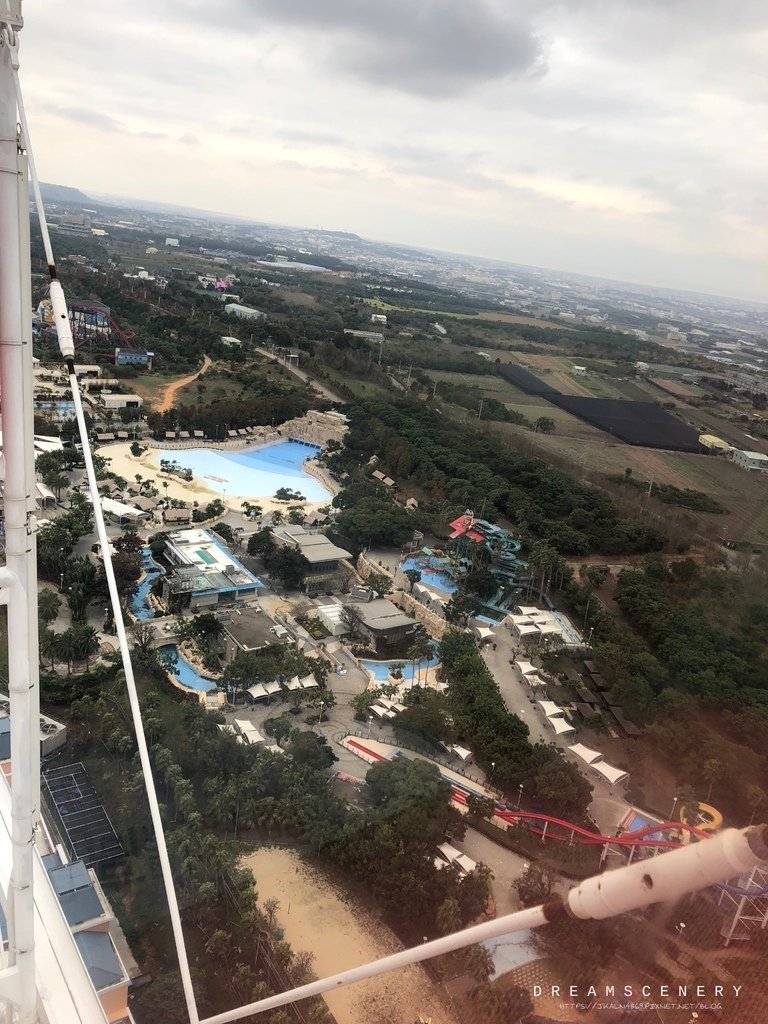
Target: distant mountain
{"type": "Point", "coordinates": [62, 194]}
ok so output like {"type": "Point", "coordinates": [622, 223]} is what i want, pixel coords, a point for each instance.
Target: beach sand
{"type": "Point", "coordinates": [319, 917]}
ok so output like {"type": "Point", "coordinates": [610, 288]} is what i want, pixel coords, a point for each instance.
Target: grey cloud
{"type": "Point", "coordinates": [312, 137]}
{"type": "Point", "coordinates": [93, 118]}
{"type": "Point", "coordinates": [435, 48]}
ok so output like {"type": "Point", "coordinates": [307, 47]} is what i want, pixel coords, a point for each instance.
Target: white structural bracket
{"type": "Point", "coordinates": [8, 582]}
{"type": "Point", "coordinates": [10, 986]}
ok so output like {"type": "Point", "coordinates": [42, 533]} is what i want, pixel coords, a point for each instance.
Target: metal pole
{"type": "Point", "coordinates": [18, 450]}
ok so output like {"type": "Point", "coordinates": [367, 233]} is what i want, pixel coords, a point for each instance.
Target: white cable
{"type": "Point", "coordinates": [64, 333]}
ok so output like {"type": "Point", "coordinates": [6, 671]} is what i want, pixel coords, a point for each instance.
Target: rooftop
{"type": "Point", "coordinates": [382, 614]}
{"type": "Point", "coordinates": [314, 546]}
{"type": "Point", "coordinates": [251, 629]}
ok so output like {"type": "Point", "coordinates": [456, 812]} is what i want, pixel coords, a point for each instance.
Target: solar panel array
{"type": "Point", "coordinates": [88, 829]}
{"type": "Point", "coordinates": [640, 423]}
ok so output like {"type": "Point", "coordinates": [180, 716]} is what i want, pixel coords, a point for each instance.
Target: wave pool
{"type": "Point", "coordinates": [254, 472]}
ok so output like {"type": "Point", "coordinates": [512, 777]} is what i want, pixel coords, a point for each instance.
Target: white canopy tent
{"type": "Point", "coordinates": [293, 684]}
{"type": "Point", "coordinates": [587, 756]}
{"type": "Point", "coordinates": [309, 683]}
{"type": "Point", "coordinates": [615, 776]}
{"type": "Point", "coordinates": [534, 682]}
{"type": "Point", "coordinates": [550, 709]}
{"type": "Point", "coordinates": [560, 726]}
{"type": "Point", "coordinates": [525, 668]}
{"type": "Point", "coordinates": [256, 692]}
{"type": "Point", "coordinates": [273, 687]}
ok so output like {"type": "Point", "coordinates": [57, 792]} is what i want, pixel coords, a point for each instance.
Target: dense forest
{"type": "Point", "coordinates": [443, 460]}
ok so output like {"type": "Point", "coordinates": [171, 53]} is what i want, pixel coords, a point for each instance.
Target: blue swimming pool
{"type": "Point", "coordinates": [381, 669]}
{"type": "Point", "coordinates": [441, 580]}
{"type": "Point", "coordinates": [255, 472]}
{"type": "Point", "coordinates": [186, 674]}
{"type": "Point", "coordinates": [140, 602]}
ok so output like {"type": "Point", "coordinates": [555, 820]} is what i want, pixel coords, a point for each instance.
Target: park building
{"type": "Point", "coordinates": [715, 445]}
{"type": "Point", "coordinates": [329, 566]}
{"type": "Point", "coordinates": [251, 631]}
{"type": "Point", "coordinates": [114, 401]}
{"type": "Point", "coordinates": [204, 574]}
{"type": "Point", "coordinates": [382, 622]}
{"type": "Point", "coordinates": [243, 312]}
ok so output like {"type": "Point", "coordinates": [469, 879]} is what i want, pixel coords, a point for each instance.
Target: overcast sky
{"type": "Point", "coordinates": [623, 138]}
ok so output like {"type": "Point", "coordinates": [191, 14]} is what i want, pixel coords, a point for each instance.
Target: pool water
{"type": "Point", "coordinates": [381, 669]}
{"type": "Point", "coordinates": [186, 674]}
{"type": "Point", "coordinates": [440, 580]}
{"type": "Point", "coordinates": [140, 600]}
{"type": "Point", "coordinates": [255, 472]}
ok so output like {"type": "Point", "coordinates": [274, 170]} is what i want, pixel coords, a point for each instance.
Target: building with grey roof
{"type": "Point", "coordinates": [383, 622]}
{"type": "Point", "coordinates": [329, 565]}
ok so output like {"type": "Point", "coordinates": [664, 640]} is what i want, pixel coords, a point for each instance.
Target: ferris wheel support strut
{"type": "Point", "coordinates": [20, 528]}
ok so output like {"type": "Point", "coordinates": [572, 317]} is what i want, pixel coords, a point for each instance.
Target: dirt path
{"type": "Point", "coordinates": [169, 394]}
{"type": "Point", "coordinates": [341, 933]}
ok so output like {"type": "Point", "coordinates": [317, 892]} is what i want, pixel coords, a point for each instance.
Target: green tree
{"type": "Point", "coordinates": [480, 807]}
{"type": "Point", "coordinates": [379, 583]}
{"type": "Point", "coordinates": [307, 748]}
{"type": "Point", "coordinates": [414, 577]}
{"type": "Point", "coordinates": [289, 565]}
{"type": "Point", "coordinates": [261, 543]}
{"type": "Point", "coordinates": [535, 885]}
{"type": "Point", "coordinates": [48, 605]}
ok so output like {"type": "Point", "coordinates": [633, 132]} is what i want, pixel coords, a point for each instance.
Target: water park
{"type": "Point", "coordinates": [474, 544]}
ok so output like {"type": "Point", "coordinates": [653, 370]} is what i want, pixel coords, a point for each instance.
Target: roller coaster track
{"type": "Point", "coordinates": [560, 830]}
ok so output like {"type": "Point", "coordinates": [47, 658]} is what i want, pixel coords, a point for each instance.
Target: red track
{"type": "Point", "coordinates": [573, 833]}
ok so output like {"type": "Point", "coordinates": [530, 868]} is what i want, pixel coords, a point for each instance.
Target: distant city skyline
{"type": "Point", "coordinates": [626, 141]}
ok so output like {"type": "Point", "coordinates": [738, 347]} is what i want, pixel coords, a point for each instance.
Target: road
{"type": "Point", "coordinates": [324, 391]}
{"type": "Point", "coordinates": [166, 401]}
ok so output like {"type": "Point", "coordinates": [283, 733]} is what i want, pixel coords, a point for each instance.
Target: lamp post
{"type": "Point", "coordinates": [674, 808]}
{"type": "Point", "coordinates": [519, 795]}
{"type": "Point", "coordinates": [493, 765]}
{"type": "Point", "coordinates": [370, 723]}
{"type": "Point", "coordinates": [61, 582]}
{"type": "Point", "coordinates": [322, 705]}
{"type": "Point", "coordinates": [680, 928]}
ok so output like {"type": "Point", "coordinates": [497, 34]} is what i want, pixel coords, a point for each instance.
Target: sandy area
{"type": "Point", "coordinates": [148, 465]}
{"type": "Point", "coordinates": [319, 918]}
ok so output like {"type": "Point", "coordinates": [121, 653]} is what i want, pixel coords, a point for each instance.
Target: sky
{"type": "Point", "coordinates": [625, 139]}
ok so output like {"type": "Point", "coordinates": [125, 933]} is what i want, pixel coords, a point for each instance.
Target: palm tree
{"type": "Point", "coordinates": [48, 605]}
{"type": "Point", "coordinates": [420, 648]}
{"type": "Point", "coordinates": [49, 645]}
{"type": "Point", "coordinates": [66, 648]}
{"type": "Point", "coordinates": [86, 642]}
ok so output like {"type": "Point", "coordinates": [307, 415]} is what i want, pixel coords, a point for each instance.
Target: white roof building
{"type": "Point", "coordinates": [753, 462]}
